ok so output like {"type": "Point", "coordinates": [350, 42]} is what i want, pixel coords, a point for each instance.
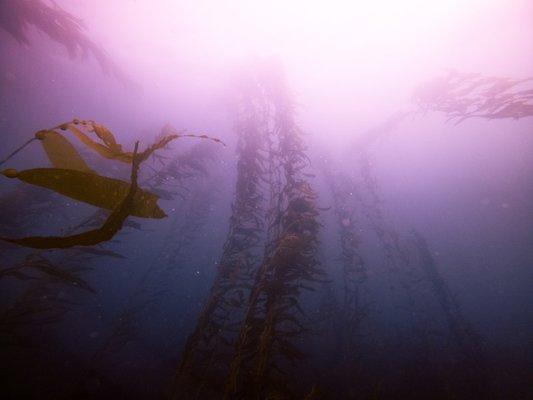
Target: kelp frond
{"type": "Point", "coordinates": [461, 96]}
{"type": "Point", "coordinates": [274, 321]}
{"type": "Point", "coordinates": [76, 180]}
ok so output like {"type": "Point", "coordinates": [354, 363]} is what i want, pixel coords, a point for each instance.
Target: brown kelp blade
{"type": "Point", "coordinates": [90, 238]}
{"type": "Point", "coordinates": [60, 152]}
{"type": "Point", "coordinates": [90, 188]}
{"type": "Point", "coordinates": [113, 152]}
{"type": "Point", "coordinates": [110, 149]}
{"type": "Point", "coordinates": [106, 136]}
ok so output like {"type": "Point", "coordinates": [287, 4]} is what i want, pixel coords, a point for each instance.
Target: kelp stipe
{"type": "Point", "coordinates": [471, 368]}
{"type": "Point", "coordinates": [403, 269]}
{"type": "Point", "coordinates": [353, 308]}
{"type": "Point", "coordinates": [414, 269]}
{"type": "Point", "coordinates": [274, 318]}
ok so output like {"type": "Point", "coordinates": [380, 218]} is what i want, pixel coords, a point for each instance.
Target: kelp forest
{"type": "Point", "coordinates": [218, 202]}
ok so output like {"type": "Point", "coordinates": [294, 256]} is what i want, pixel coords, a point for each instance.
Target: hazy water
{"type": "Point", "coordinates": [466, 189]}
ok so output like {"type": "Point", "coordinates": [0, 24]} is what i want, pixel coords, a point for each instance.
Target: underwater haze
{"type": "Point", "coordinates": [297, 200]}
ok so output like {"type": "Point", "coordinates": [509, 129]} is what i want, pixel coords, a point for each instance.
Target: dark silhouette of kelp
{"type": "Point", "coordinates": [16, 16]}
{"type": "Point", "coordinates": [353, 308]}
{"type": "Point", "coordinates": [470, 364]}
{"type": "Point", "coordinates": [412, 271]}
{"type": "Point", "coordinates": [461, 96]}
{"type": "Point", "coordinates": [274, 320]}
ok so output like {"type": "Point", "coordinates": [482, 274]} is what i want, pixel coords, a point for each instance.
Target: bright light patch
{"type": "Point", "coordinates": [328, 27]}
{"type": "Point", "coordinates": [297, 28]}
{"type": "Point", "coordinates": [351, 55]}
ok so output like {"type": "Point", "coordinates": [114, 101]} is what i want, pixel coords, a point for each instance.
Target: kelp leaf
{"type": "Point", "coordinates": [107, 152]}
{"type": "Point", "coordinates": [90, 238]}
{"type": "Point", "coordinates": [106, 136]}
{"type": "Point", "coordinates": [90, 188]}
{"type": "Point", "coordinates": [60, 152]}
{"type": "Point", "coordinates": [111, 149]}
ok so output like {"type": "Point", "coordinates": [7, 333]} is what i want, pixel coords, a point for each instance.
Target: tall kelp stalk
{"type": "Point", "coordinates": [354, 275]}
{"type": "Point", "coordinates": [274, 319]}
{"type": "Point", "coordinates": [412, 273]}
{"type": "Point", "coordinates": [396, 255]}
{"type": "Point", "coordinates": [207, 352]}
{"type": "Point", "coordinates": [394, 248]}
{"type": "Point", "coordinates": [410, 310]}
{"type": "Point", "coordinates": [471, 366]}
{"type": "Point", "coordinates": [462, 96]}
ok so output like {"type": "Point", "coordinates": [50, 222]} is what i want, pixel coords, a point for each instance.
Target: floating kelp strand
{"type": "Point", "coordinates": [111, 226]}
{"type": "Point", "coordinates": [17, 150]}
{"type": "Point", "coordinates": [461, 96]}
{"type": "Point", "coordinates": [112, 153]}
{"type": "Point", "coordinates": [110, 148]}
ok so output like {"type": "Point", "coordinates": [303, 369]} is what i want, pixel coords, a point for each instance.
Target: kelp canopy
{"type": "Point", "coordinates": [461, 96]}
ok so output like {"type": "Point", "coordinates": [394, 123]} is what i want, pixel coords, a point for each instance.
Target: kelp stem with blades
{"type": "Point", "coordinates": [274, 319]}
{"type": "Point", "coordinates": [73, 178]}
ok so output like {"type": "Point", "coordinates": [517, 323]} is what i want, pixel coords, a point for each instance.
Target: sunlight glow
{"type": "Point", "coordinates": [357, 55]}
{"type": "Point", "coordinates": [329, 27]}
{"type": "Point", "coordinates": [333, 28]}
